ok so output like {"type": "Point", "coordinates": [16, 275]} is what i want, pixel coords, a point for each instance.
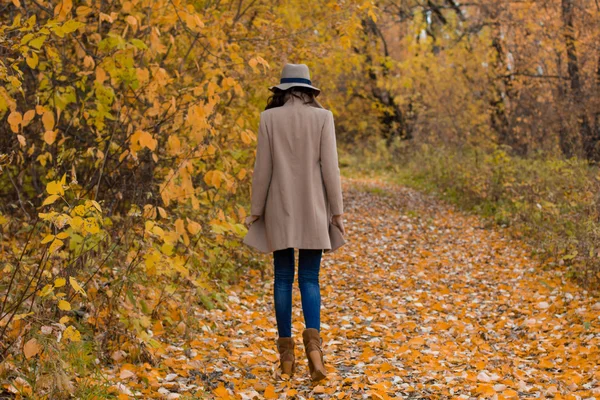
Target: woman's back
{"type": "Point", "coordinates": [296, 184]}
{"type": "Point", "coordinates": [295, 133]}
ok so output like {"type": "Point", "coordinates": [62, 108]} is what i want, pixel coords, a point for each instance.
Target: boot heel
{"type": "Point", "coordinates": [318, 369]}
{"type": "Point", "coordinates": [314, 354]}
{"type": "Point", "coordinates": [287, 367]}
{"type": "Point", "coordinates": [287, 360]}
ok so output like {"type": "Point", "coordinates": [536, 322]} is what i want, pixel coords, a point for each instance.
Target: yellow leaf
{"type": "Point", "coordinates": [179, 226]}
{"type": "Point", "coordinates": [50, 136]}
{"type": "Point", "coordinates": [245, 138]}
{"type": "Point", "coordinates": [48, 120]}
{"type": "Point", "coordinates": [77, 223]}
{"type": "Point", "coordinates": [72, 334]}
{"type": "Point", "coordinates": [60, 282]}
{"type": "Point", "coordinates": [95, 203]}
{"type": "Point", "coordinates": [62, 235]}
{"type": "Point", "coordinates": [174, 144]}
{"type": "Point", "coordinates": [180, 229]}
{"type": "Point", "coordinates": [31, 348]}
{"type": "Point", "coordinates": [193, 227]}
{"type": "Point", "coordinates": [123, 155]}
{"type": "Point", "coordinates": [144, 139]}
{"type": "Point", "coordinates": [32, 61]}
{"type": "Point", "coordinates": [62, 9]}
{"type": "Point", "coordinates": [76, 286]}
{"type": "Point", "coordinates": [47, 239]}
{"type": "Point", "coordinates": [372, 15]}
{"type": "Point", "coordinates": [64, 319]}
{"type": "Point", "coordinates": [162, 212]}
{"type": "Point", "coordinates": [263, 62]}
{"type": "Point", "coordinates": [213, 178]}
{"type": "Point", "coordinates": [158, 231]}
{"type": "Point", "coordinates": [64, 305]}
{"type": "Point", "coordinates": [57, 244]}
{"type": "Point", "coordinates": [55, 187]}
{"type": "Point", "coordinates": [21, 316]}
{"type": "Point", "coordinates": [82, 11]}
{"type": "Point", "coordinates": [46, 290]}
{"type": "Point", "coordinates": [90, 225]}
{"type": "Point", "coordinates": [167, 249]}
{"type": "Point", "coordinates": [131, 20]}
{"type": "Point", "coordinates": [51, 199]}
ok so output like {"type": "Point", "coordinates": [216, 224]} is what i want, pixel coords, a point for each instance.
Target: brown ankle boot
{"type": "Point", "coordinates": [287, 361]}
{"type": "Point", "coordinates": [314, 354]}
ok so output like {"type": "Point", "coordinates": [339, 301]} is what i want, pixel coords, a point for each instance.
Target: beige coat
{"type": "Point", "coordinates": [296, 184]}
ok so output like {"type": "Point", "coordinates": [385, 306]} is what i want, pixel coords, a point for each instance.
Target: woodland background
{"type": "Point", "coordinates": [128, 131]}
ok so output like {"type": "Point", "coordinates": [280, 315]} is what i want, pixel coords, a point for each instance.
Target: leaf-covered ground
{"type": "Point", "coordinates": [423, 302]}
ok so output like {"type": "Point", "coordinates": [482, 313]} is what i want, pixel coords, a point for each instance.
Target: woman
{"type": "Point", "coordinates": [296, 203]}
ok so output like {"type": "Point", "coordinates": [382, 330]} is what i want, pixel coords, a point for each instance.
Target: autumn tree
{"type": "Point", "coordinates": [127, 140]}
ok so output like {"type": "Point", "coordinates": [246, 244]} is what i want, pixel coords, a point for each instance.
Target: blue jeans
{"type": "Point", "coordinates": [309, 263]}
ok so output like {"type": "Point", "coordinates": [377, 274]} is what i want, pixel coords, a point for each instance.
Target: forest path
{"type": "Point", "coordinates": [422, 302]}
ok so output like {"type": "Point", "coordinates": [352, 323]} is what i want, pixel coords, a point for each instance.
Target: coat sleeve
{"type": "Point", "coordinates": [263, 169]}
{"type": "Point", "coordinates": [329, 166]}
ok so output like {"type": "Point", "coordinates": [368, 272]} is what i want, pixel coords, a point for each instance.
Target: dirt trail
{"type": "Point", "coordinates": [423, 302]}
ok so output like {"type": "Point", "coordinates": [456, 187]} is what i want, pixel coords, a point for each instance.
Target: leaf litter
{"type": "Point", "coordinates": [420, 303]}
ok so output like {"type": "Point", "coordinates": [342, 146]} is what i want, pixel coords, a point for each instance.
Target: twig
{"type": "Point", "coordinates": [18, 194]}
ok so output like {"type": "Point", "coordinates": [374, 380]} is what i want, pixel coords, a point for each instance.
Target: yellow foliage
{"type": "Point", "coordinates": [76, 286]}
{"type": "Point", "coordinates": [152, 112]}
{"type": "Point", "coordinates": [72, 334]}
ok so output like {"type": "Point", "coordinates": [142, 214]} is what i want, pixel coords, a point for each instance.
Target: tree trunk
{"type": "Point", "coordinates": [588, 138]}
{"type": "Point", "coordinates": [499, 117]}
{"type": "Point", "coordinates": [393, 120]}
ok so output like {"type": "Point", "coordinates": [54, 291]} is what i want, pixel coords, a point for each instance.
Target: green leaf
{"type": "Point", "coordinates": [139, 44]}
{"type": "Point", "coordinates": [145, 308]}
{"type": "Point", "coordinates": [131, 297]}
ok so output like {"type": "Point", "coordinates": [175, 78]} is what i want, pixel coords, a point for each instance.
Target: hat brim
{"type": "Point", "coordinates": [285, 86]}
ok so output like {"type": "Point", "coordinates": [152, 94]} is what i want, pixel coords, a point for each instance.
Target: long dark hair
{"type": "Point", "coordinates": [278, 98]}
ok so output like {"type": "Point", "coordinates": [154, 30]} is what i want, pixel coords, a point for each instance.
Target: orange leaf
{"type": "Point", "coordinates": [221, 393]}
{"type": "Point", "coordinates": [48, 120]}
{"type": "Point", "coordinates": [31, 348]}
{"type": "Point", "coordinates": [49, 137]}
{"type": "Point", "coordinates": [29, 115]}
{"type": "Point", "coordinates": [270, 392]}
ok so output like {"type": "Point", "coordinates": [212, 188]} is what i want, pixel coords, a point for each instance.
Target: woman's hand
{"type": "Point", "coordinates": [337, 221]}
{"type": "Point", "coordinates": [250, 219]}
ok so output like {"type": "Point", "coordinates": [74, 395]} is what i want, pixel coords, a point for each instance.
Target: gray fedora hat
{"type": "Point", "coordinates": [295, 75]}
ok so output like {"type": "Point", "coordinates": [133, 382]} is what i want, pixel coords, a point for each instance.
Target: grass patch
{"type": "Point", "coordinates": [550, 202]}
